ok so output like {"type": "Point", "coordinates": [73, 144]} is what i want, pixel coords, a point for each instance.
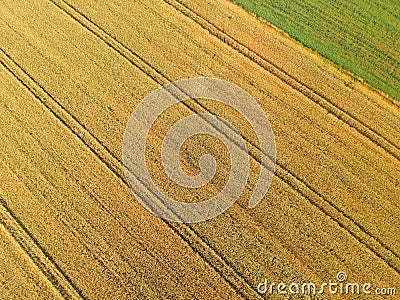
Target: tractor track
{"type": "Point", "coordinates": [210, 255]}
{"type": "Point", "coordinates": [318, 98]}
{"type": "Point", "coordinates": [283, 173]}
{"type": "Point", "coordinates": [185, 232]}
{"type": "Point", "coordinates": [38, 255]}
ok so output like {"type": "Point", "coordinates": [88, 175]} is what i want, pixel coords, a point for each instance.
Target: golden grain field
{"type": "Point", "coordinates": [71, 74]}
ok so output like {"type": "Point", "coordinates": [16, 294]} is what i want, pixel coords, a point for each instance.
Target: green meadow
{"type": "Point", "coordinates": [362, 37]}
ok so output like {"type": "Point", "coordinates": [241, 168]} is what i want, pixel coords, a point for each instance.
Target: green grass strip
{"type": "Point", "coordinates": [361, 36]}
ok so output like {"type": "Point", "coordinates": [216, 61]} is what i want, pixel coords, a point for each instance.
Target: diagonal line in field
{"type": "Point", "coordinates": [155, 76]}
{"type": "Point", "coordinates": [39, 256]}
{"type": "Point", "coordinates": [269, 66]}
{"type": "Point", "coordinates": [378, 247]}
{"type": "Point", "coordinates": [230, 274]}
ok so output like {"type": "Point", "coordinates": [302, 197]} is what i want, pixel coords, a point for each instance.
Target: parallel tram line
{"type": "Point", "coordinates": [227, 271]}
{"type": "Point", "coordinates": [276, 98]}
{"type": "Point", "coordinates": [223, 267]}
{"type": "Point", "coordinates": [66, 221]}
{"type": "Point", "coordinates": [301, 87]}
{"type": "Point", "coordinates": [38, 255]}
{"type": "Point", "coordinates": [357, 230]}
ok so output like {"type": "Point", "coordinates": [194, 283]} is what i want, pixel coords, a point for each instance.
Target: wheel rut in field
{"type": "Point", "coordinates": [283, 173]}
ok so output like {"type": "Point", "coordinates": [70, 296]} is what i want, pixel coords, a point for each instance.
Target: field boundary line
{"type": "Point", "coordinates": [285, 77]}
{"type": "Point", "coordinates": [365, 43]}
{"type": "Point", "coordinates": [42, 260]}
{"type": "Point", "coordinates": [327, 207]}
{"type": "Point", "coordinates": [222, 267]}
